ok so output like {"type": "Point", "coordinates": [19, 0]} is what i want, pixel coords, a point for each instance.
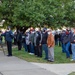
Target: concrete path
{"type": "Point", "coordinates": [59, 69]}
{"type": "Point", "coordinates": [15, 66]}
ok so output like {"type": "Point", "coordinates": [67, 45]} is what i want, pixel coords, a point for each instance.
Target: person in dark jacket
{"type": "Point", "coordinates": [15, 38]}
{"type": "Point", "coordinates": [62, 38]}
{"type": "Point", "coordinates": [19, 39]}
{"type": "Point", "coordinates": [9, 36]}
{"type": "Point", "coordinates": [24, 41]}
{"type": "Point", "coordinates": [1, 40]}
{"type": "Point", "coordinates": [37, 43]}
{"type": "Point", "coordinates": [0, 37]}
{"type": "Point", "coordinates": [56, 38]}
{"type": "Point", "coordinates": [44, 43]}
{"type": "Point", "coordinates": [73, 45]}
{"type": "Point", "coordinates": [66, 42]}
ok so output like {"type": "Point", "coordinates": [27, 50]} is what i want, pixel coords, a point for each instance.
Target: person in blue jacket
{"type": "Point", "coordinates": [8, 38]}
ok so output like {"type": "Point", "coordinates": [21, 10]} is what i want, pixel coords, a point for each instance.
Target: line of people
{"type": "Point", "coordinates": [36, 40]}
{"type": "Point", "coordinates": [68, 43]}
{"type": "Point", "coordinates": [66, 39]}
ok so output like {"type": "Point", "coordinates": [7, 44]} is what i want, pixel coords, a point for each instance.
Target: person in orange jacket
{"type": "Point", "coordinates": [50, 44]}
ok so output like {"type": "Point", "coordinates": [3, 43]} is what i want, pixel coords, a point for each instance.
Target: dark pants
{"type": "Point", "coordinates": [70, 50]}
{"type": "Point", "coordinates": [19, 45]}
{"type": "Point", "coordinates": [28, 48]}
{"type": "Point", "coordinates": [39, 51]}
{"type": "Point", "coordinates": [57, 42]}
{"type": "Point", "coordinates": [15, 41]}
{"type": "Point", "coordinates": [9, 47]}
{"type": "Point", "coordinates": [35, 50]}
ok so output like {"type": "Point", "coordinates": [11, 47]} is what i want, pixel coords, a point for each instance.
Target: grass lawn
{"type": "Point", "coordinates": [59, 56]}
{"type": "Point", "coordinates": [73, 73]}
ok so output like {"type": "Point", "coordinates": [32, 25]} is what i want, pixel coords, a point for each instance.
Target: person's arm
{"type": "Point", "coordinates": [11, 34]}
{"type": "Point", "coordinates": [3, 34]}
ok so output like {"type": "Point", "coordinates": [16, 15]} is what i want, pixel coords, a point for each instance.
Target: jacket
{"type": "Point", "coordinates": [72, 38]}
{"type": "Point", "coordinates": [8, 36]}
{"type": "Point", "coordinates": [44, 37]}
{"type": "Point", "coordinates": [50, 40]}
{"type": "Point", "coordinates": [66, 38]}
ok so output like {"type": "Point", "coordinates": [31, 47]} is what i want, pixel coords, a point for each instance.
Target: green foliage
{"type": "Point", "coordinates": [33, 12]}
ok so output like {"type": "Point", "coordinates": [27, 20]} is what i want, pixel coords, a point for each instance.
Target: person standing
{"type": "Point", "coordinates": [31, 39]}
{"type": "Point", "coordinates": [56, 38]}
{"type": "Point", "coordinates": [28, 41]}
{"type": "Point", "coordinates": [9, 36]}
{"type": "Point", "coordinates": [73, 45]}
{"type": "Point", "coordinates": [37, 42]}
{"type": "Point", "coordinates": [62, 39]}
{"type": "Point", "coordinates": [15, 38]}
{"type": "Point", "coordinates": [44, 42]}
{"type": "Point", "coordinates": [19, 39]}
{"type": "Point", "coordinates": [50, 43]}
{"type": "Point", "coordinates": [0, 37]}
{"type": "Point", "coordinates": [66, 42]}
{"type": "Point", "coordinates": [24, 41]}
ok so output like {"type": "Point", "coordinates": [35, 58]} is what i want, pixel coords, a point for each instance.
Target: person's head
{"type": "Point", "coordinates": [8, 28]}
{"type": "Point", "coordinates": [44, 29]}
{"type": "Point", "coordinates": [49, 31]}
{"type": "Point", "coordinates": [31, 29]}
{"type": "Point", "coordinates": [36, 29]}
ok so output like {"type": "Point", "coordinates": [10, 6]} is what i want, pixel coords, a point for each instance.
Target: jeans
{"type": "Point", "coordinates": [67, 45]}
{"type": "Point", "coordinates": [32, 48]}
{"type": "Point", "coordinates": [63, 48]}
{"type": "Point", "coordinates": [73, 51]}
{"type": "Point", "coordinates": [25, 46]}
{"type": "Point", "coordinates": [45, 48]}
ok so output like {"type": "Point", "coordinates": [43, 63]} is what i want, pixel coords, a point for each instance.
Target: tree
{"type": "Point", "coordinates": [33, 12]}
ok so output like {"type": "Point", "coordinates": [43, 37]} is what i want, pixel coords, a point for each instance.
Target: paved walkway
{"type": "Point", "coordinates": [15, 66]}
{"type": "Point", "coordinates": [59, 69]}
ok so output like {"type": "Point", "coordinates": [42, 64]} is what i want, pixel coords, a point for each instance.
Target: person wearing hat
{"type": "Point", "coordinates": [8, 37]}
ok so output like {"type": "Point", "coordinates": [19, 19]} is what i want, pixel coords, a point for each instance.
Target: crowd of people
{"type": "Point", "coordinates": [35, 41]}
